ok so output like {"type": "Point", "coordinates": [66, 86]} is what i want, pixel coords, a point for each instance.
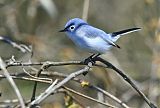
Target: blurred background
{"type": "Point", "coordinates": [37, 22]}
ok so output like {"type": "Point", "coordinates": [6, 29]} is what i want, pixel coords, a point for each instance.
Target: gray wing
{"type": "Point", "coordinates": [93, 32]}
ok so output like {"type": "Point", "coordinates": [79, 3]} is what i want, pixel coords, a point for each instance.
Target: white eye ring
{"type": "Point", "coordinates": [72, 27]}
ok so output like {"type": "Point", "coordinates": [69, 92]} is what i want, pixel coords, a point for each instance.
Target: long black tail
{"type": "Point", "coordinates": [123, 32]}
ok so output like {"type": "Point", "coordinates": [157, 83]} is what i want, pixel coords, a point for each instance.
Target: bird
{"type": "Point", "coordinates": [92, 39]}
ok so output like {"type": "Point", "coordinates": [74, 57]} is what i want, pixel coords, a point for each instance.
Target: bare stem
{"type": "Point", "coordinates": [11, 81]}
{"type": "Point", "coordinates": [85, 10]}
{"type": "Point", "coordinates": [61, 83]}
{"type": "Point", "coordinates": [127, 79]}
{"type": "Point", "coordinates": [87, 97]}
{"type": "Point", "coordinates": [57, 74]}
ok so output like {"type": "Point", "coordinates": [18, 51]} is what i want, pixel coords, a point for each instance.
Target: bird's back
{"type": "Point", "coordinates": [91, 32]}
{"type": "Point", "coordinates": [93, 39]}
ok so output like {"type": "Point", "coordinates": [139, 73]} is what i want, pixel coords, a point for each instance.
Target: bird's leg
{"type": "Point", "coordinates": [91, 59]}
{"type": "Point", "coordinates": [95, 56]}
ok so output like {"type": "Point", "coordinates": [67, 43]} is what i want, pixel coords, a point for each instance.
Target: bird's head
{"type": "Point", "coordinates": [73, 24]}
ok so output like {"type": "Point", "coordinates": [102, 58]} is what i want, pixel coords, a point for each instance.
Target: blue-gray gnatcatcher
{"type": "Point", "coordinates": [93, 39]}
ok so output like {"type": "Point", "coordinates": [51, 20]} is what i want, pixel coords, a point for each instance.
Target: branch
{"type": "Point", "coordinates": [85, 10]}
{"type": "Point", "coordinates": [80, 81]}
{"type": "Point", "coordinates": [46, 92]}
{"type": "Point", "coordinates": [70, 100]}
{"type": "Point", "coordinates": [64, 81]}
{"type": "Point", "coordinates": [50, 63]}
{"type": "Point", "coordinates": [87, 97]}
{"type": "Point", "coordinates": [11, 81]}
{"type": "Point", "coordinates": [48, 82]}
{"type": "Point", "coordinates": [26, 78]}
{"type": "Point", "coordinates": [23, 48]}
{"type": "Point", "coordinates": [90, 86]}
{"type": "Point", "coordinates": [35, 84]}
{"type": "Point", "coordinates": [110, 96]}
{"type": "Point", "coordinates": [43, 67]}
{"type": "Point", "coordinates": [127, 79]}
{"type": "Point", "coordinates": [108, 65]}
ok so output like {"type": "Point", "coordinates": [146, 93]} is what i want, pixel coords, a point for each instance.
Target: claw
{"type": "Point", "coordinates": [89, 59]}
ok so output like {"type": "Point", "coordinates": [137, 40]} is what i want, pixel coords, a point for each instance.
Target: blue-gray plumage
{"type": "Point", "coordinates": [92, 39]}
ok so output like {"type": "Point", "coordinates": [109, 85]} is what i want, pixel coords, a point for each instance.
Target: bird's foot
{"type": "Point", "coordinates": [90, 59]}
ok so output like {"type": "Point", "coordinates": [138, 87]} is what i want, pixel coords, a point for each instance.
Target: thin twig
{"type": "Point", "coordinates": [87, 97]}
{"type": "Point", "coordinates": [8, 101]}
{"type": "Point", "coordinates": [47, 91]}
{"type": "Point", "coordinates": [44, 66]}
{"type": "Point", "coordinates": [127, 79]}
{"type": "Point", "coordinates": [11, 81]}
{"type": "Point", "coordinates": [28, 79]}
{"type": "Point", "coordinates": [50, 74]}
{"type": "Point", "coordinates": [110, 96]}
{"type": "Point", "coordinates": [72, 97]}
{"type": "Point", "coordinates": [85, 10]}
{"type": "Point", "coordinates": [90, 86]}
{"type": "Point", "coordinates": [94, 87]}
{"type": "Point", "coordinates": [50, 63]}
{"type": "Point", "coordinates": [23, 48]}
{"type": "Point", "coordinates": [35, 85]}
{"type": "Point", "coordinates": [61, 83]}
{"type": "Point", "coordinates": [36, 77]}
{"type": "Point", "coordinates": [43, 81]}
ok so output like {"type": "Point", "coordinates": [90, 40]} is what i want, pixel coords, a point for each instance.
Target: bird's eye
{"type": "Point", "coordinates": [72, 27]}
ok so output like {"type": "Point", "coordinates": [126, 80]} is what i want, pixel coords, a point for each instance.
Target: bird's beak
{"type": "Point", "coordinates": [64, 30]}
